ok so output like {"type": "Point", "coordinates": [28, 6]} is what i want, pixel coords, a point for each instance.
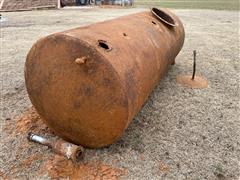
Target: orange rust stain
{"type": "Point", "coordinates": [199, 82]}
{"type": "Point", "coordinates": [29, 160]}
{"type": "Point", "coordinates": [3, 176]}
{"type": "Point", "coordinates": [141, 157]}
{"type": "Point", "coordinates": [59, 167]}
{"type": "Point", "coordinates": [163, 168]}
{"type": "Point", "coordinates": [25, 163]}
{"type": "Point", "coordinates": [28, 121]}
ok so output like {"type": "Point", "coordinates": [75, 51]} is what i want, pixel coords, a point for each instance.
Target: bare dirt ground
{"type": "Point", "coordinates": [180, 133]}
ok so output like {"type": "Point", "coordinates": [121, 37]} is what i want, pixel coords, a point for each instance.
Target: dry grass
{"type": "Point", "coordinates": [192, 4]}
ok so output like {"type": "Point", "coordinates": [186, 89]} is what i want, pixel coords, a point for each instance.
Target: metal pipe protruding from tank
{"type": "Point", "coordinates": [61, 147]}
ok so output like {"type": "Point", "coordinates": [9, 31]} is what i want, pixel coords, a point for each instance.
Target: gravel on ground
{"type": "Point", "coordinates": [180, 133]}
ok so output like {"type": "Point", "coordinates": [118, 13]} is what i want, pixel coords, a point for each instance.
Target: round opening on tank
{"type": "Point", "coordinates": [103, 44]}
{"type": "Point", "coordinates": [163, 16]}
{"type": "Point", "coordinates": [79, 155]}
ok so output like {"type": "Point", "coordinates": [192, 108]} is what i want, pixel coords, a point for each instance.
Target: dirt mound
{"type": "Point", "coordinates": [198, 82]}
{"type": "Point", "coordinates": [54, 166]}
{"type": "Point", "coordinates": [58, 167]}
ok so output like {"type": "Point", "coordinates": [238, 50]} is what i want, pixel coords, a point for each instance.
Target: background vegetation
{"type": "Point", "coordinates": [192, 4]}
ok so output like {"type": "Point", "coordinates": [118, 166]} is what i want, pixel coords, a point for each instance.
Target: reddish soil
{"type": "Point", "coordinates": [163, 168]}
{"type": "Point", "coordinates": [28, 121]}
{"type": "Point", "coordinates": [3, 176]}
{"type": "Point", "coordinates": [199, 82]}
{"type": "Point", "coordinates": [56, 166]}
{"type": "Point", "coordinates": [59, 167]}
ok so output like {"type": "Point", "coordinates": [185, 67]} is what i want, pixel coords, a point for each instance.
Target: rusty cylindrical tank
{"type": "Point", "coordinates": [88, 83]}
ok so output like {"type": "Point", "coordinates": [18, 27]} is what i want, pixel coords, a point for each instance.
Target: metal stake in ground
{"type": "Point", "coordinates": [193, 81]}
{"type": "Point", "coordinates": [194, 64]}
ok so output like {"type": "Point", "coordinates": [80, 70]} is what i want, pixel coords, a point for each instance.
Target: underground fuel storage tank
{"type": "Point", "coordinates": [88, 83]}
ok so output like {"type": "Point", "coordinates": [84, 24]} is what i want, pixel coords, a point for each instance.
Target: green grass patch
{"type": "Point", "coordinates": [192, 4]}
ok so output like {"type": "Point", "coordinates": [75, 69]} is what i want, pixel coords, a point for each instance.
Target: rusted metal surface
{"type": "Point", "coordinates": [164, 17]}
{"type": "Point", "coordinates": [69, 150]}
{"type": "Point", "coordinates": [88, 83]}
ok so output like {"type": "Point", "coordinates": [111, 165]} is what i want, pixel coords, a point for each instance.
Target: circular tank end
{"type": "Point", "coordinates": [76, 90]}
